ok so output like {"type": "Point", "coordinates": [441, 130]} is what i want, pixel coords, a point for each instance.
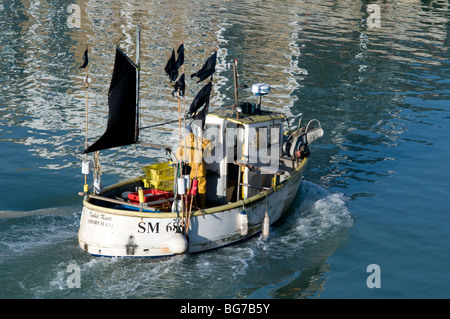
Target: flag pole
{"type": "Point", "coordinates": [184, 122]}
{"type": "Point", "coordinates": [180, 163]}
{"type": "Point", "coordinates": [138, 79]}
{"type": "Point", "coordinates": [206, 71]}
{"type": "Point", "coordinates": [86, 187]}
{"type": "Point", "coordinates": [183, 196]}
{"type": "Point", "coordinates": [236, 95]}
{"type": "Point", "coordinates": [199, 149]}
{"type": "Point", "coordinates": [200, 160]}
{"type": "Point", "coordinates": [86, 80]}
{"type": "Point", "coordinates": [184, 138]}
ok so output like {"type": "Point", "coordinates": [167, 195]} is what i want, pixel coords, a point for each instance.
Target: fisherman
{"type": "Point", "coordinates": [197, 148]}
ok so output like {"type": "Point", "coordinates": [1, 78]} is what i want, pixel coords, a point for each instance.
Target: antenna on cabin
{"type": "Point", "coordinates": [259, 90]}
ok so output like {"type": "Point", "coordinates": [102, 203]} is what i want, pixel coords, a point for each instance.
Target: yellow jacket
{"type": "Point", "coordinates": [196, 150]}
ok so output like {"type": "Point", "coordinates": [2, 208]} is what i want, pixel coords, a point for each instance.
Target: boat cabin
{"type": "Point", "coordinates": [245, 158]}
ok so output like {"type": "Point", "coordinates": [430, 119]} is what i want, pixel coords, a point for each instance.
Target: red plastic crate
{"type": "Point", "coordinates": [150, 195]}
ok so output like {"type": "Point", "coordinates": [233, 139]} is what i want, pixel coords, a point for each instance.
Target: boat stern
{"type": "Point", "coordinates": [105, 234]}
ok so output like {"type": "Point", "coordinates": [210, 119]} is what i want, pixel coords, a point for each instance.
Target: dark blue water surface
{"type": "Point", "coordinates": [375, 190]}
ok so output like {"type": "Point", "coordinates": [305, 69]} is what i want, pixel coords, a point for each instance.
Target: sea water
{"type": "Point", "coordinates": [370, 219]}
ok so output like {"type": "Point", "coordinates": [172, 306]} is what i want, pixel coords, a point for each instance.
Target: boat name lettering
{"type": "Point", "coordinates": [100, 219]}
{"type": "Point", "coordinates": [100, 223]}
{"type": "Point", "coordinates": [100, 216]}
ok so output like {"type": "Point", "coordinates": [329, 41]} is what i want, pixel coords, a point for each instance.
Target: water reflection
{"type": "Point", "coordinates": [321, 58]}
{"type": "Point", "coordinates": [44, 88]}
{"type": "Point", "coordinates": [359, 79]}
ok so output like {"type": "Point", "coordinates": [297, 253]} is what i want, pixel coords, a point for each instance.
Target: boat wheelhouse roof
{"type": "Point", "coordinates": [244, 118]}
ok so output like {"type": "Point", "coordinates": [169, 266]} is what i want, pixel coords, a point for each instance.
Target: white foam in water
{"type": "Point", "coordinates": [322, 211]}
{"type": "Point", "coordinates": [29, 230]}
{"type": "Point", "coordinates": [317, 215]}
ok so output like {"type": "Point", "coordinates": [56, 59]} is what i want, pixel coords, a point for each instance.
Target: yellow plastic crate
{"type": "Point", "coordinates": [159, 185]}
{"type": "Point", "coordinates": [159, 172]}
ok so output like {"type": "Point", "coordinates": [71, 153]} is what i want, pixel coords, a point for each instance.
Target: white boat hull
{"type": "Point", "coordinates": [114, 232]}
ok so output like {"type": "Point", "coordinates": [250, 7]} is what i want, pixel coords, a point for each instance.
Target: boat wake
{"type": "Point", "coordinates": [23, 232]}
{"type": "Point", "coordinates": [299, 245]}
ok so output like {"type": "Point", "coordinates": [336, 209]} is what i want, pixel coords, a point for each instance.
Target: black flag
{"type": "Point", "coordinates": [208, 68]}
{"type": "Point", "coordinates": [180, 58]}
{"type": "Point", "coordinates": [173, 64]}
{"type": "Point", "coordinates": [121, 126]}
{"type": "Point", "coordinates": [201, 98]}
{"type": "Point", "coordinates": [85, 59]}
{"type": "Point", "coordinates": [201, 116]}
{"type": "Point", "coordinates": [171, 67]}
{"type": "Point", "coordinates": [180, 85]}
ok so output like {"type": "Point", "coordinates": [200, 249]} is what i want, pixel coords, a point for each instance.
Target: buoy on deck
{"type": "Point", "coordinates": [194, 187]}
{"type": "Point", "coordinates": [181, 184]}
{"type": "Point", "coordinates": [243, 223]}
{"type": "Point", "coordinates": [266, 225]}
{"type": "Point", "coordinates": [85, 167]}
{"type": "Point", "coordinates": [178, 243]}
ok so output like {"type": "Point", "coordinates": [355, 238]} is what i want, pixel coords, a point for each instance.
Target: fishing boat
{"type": "Point", "coordinates": [252, 166]}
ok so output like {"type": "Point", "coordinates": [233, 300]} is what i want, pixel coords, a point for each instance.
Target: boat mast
{"type": "Point", "coordinates": [138, 72]}
{"type": "Point", "coordinates": [236, 86]}
{"type": "Point", "coordinates": [85, 164]}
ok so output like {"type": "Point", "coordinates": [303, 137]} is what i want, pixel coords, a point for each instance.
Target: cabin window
{"type": "Point", "coordinates": [258, 145]}
{"type": "Point", "coordinates": [212, 133]}
{"type": "Point", "coordinates": [261, 138]}
{"type": "Point", "coordinates": [265, 144]}
{"type": "Point", "coordinates": [240, 143]}
{"type": "Point", "coordinates": [231, 135]}
{"type": "Point", "coordinates": [231, 140]}
{"type": "Point", "coordinates": [274, 139]}
{"type": "Point", "coordinates": [235, 138]}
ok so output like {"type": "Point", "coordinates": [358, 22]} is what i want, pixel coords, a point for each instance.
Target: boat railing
{"type": "Point", "coordinates": [309, 123]}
